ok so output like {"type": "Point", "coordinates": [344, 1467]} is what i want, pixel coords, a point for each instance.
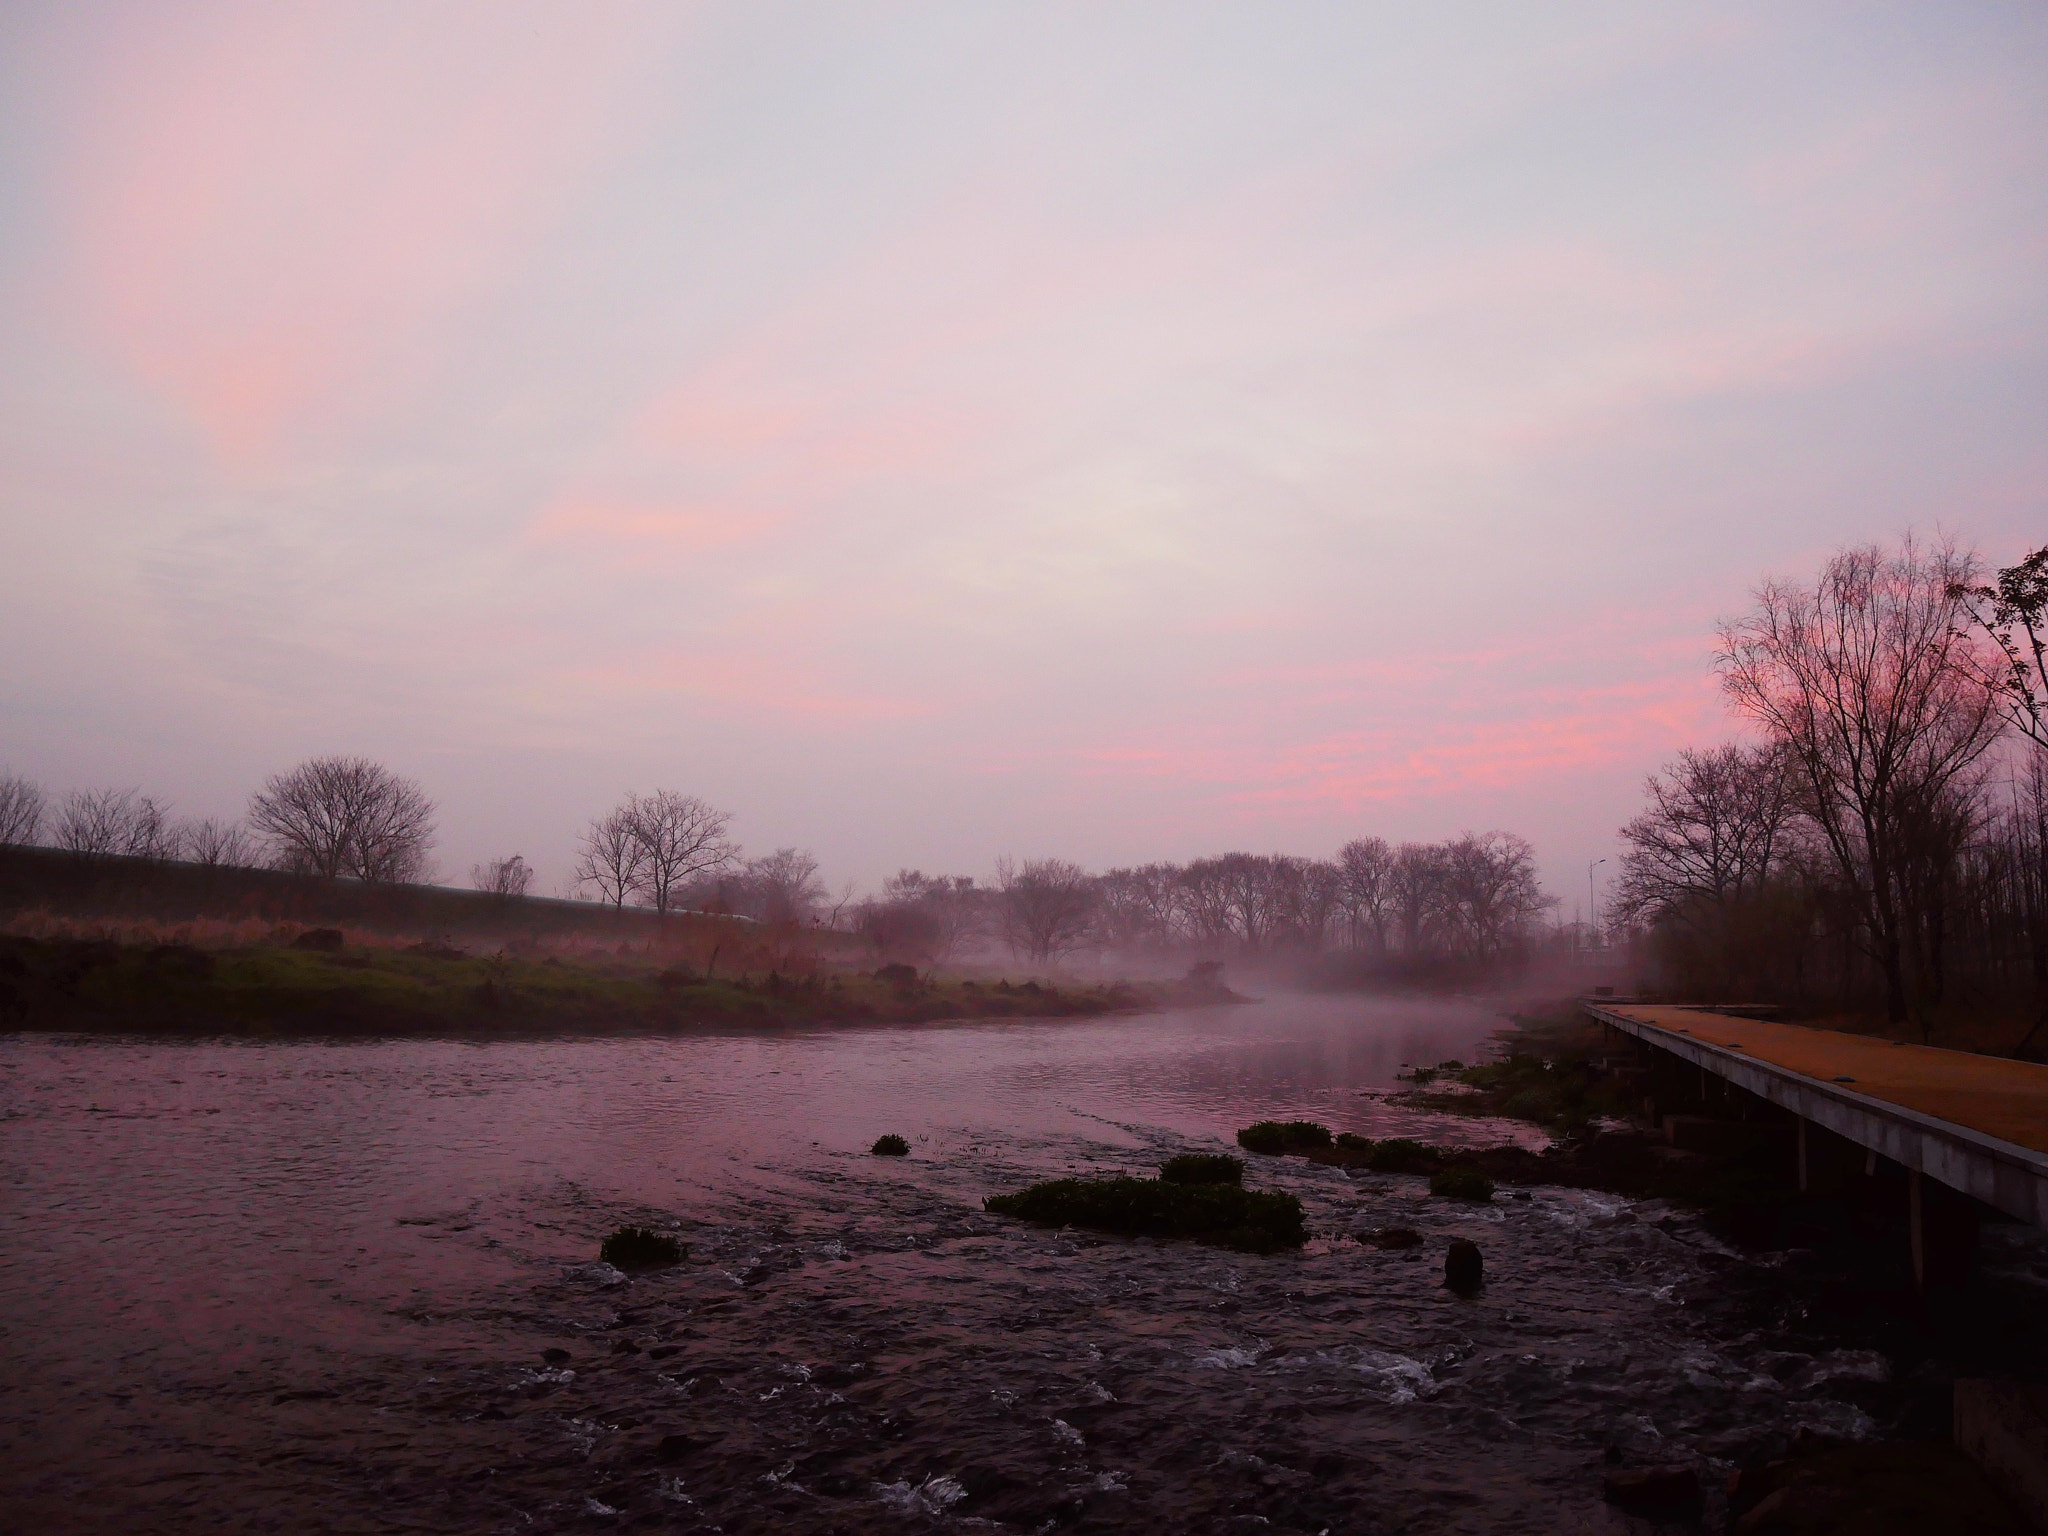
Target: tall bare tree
{"type": "Point", "coordinates": [1365, 889]}
{"type": "Point", "coordinates": [1717, 828]}
{"type": "Point", "coordinates": [1140, 908]}
{"type": "Point", "coordinates": [1489, 885]}
{"type": "Point", "coordinates": [1046, 906]}
{"type": "Point", "coordinates": [680, 838]}
{"type": "Point", "coordinates": [1874, 685]}
{"type": "Point", "coordinates": [336, 816]}
{"type": "Point", "coordinates": [608, 856]}
{"type": "Point", "coordinates": [21, 810]}
{"type": "Point", "coordinates": [1417, 894]}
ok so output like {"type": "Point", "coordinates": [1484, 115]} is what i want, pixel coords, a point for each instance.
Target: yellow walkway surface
{"type": "Point", "coordinates": [1987, 1094]}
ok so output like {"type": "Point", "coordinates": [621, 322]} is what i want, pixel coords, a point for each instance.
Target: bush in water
{"type": "Point", "coordinates": [1222, 1215]}
{"type": "Point", "coordinates": [1203, 1168]}
{"type": "Point", "coordinates": [1276, 1138]}
{"type": "Point", "coordinates": [1463, 1183]}
{"type": "Point", "coordinates": [1398, 1154]}
{"type": "Point", "coordinates": [631, 1247]}
{"type": "Point", "coordinates": [890, 1146]}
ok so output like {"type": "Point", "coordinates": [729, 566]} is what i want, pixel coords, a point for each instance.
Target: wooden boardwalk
{"type": "Point", "coordinates": [1975, 1123]}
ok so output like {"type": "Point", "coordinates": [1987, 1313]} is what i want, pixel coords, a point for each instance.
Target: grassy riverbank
{"type": "Point", "coordinates": [423, 989]}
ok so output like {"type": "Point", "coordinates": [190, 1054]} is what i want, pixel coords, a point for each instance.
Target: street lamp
{"type": "Point", "coordinates": [1592, 906]}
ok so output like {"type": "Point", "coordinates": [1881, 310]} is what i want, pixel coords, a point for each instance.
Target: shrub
{"type": "Point", "coordinates": [1352, 1142]}
{"type": "Point", "coordinates": [1276, 1138]}
{"type": "Point", "coordinates": [890, 1146]}
{"type": "Point", "coordinates": [1463, 1182]}
{"type": "Point", "coordinates": [1203, 1168]}
{"type": "Point", "coordinates": [1398, 1154]}
{"type": "Point", "coordinates": [1221, 1215]}
{"type": "Point", "coordinates": [640, 1247]}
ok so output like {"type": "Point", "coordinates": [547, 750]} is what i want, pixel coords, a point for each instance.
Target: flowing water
{"type": "Point", "coordinates": [349, 1286]}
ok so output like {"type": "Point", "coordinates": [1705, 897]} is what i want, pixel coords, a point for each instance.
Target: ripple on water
{"type": "Point", "coordinates": [337, 1264]}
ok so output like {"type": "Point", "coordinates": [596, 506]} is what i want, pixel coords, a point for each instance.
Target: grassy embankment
{"type": "Point", "coordinates": [79, 984]}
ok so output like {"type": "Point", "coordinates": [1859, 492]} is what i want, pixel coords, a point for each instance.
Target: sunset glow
{"type": "Point", "coordinates": [935, 433]}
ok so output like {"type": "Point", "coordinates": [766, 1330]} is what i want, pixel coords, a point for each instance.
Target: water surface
{"type": "Point", "coordinates": [284, 1285]}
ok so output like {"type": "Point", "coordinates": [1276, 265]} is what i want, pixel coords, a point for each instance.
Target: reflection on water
{"type": "Point", "coordinates": [336, 1263]}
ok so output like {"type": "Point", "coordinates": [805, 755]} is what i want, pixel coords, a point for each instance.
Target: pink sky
{"type": "Point", "coordinates": [941, 432]}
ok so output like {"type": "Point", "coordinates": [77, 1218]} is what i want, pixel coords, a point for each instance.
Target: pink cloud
{"type": "Point", "coordinates": [640, 527]}
{"type": "Point", "coordinates": [763, 683]}
{"type": "Point", "coordinates": [275, 218]}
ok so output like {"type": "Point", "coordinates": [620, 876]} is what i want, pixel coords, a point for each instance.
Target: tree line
{"type": "Point", "coordinates": [1883, 841]}
{"type": "Point", "coordinates": [1471, 901]}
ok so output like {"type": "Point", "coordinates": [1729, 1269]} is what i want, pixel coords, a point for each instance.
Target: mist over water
{"type": "Point", "coordinates": [308, 1284]}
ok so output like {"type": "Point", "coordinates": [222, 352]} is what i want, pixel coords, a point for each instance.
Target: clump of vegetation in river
{"type": "Point", "coordinates": [1401, 1154]}
{"type": "Point", "coordinates": [1463, 1182]}
{"type": "Point", "coordinates": [1203, 1168]}
{"type": "Point", "coordinates": [1220, 1215]}
{"type": "Point", "coordinates": [1277, 1138]}
{"type": "Point", "coordinates": [1546, 1076]}
{"type": "Point", "coordinates": [640, 1248]}
{"type": "Point", "coordinates": [891, 1145]}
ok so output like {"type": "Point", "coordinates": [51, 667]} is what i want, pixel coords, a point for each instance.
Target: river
{"type": "Point", "coordinates": [348, 1286]}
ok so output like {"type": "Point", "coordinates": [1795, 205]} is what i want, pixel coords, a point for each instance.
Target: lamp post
{"type": "Point", "coordinates": [1592, 906]}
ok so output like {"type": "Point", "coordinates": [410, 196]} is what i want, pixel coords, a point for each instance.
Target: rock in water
{"type": "Point", "coordinates": [1464, 1270]}
{"type": "Point", "coordinates": [1664, 1490]}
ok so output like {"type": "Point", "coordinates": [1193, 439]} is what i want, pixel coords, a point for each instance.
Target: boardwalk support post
{"type": "Point", "coordinates": [1916, 1228]}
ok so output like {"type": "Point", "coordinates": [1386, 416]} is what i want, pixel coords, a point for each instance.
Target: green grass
{"type": "Point", "coordinates": [1203, 1168]}
{"type": "Point", "coordinates": [431, 989]}
{"type": "Point", "coordinates": [1277, 1138]}
{"type": "Point", "coordinates": [1220, 1215]}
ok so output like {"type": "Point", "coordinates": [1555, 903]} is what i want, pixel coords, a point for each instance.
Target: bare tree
{"type": "Point", "coordinates": [2014, 615]}
{"type": "Point", "coordinates": [1417, 893]}
{"type": "Point", "coordinates": [1047, 906]}
{"type": "Point", "coordinates": [782, 888]}
{"type": "Point", "coordinates": [21, 810]}
{"type": "Point", "coordinates": [502, 877]}
{"type": "Point", "coordinates": [680, 837]}
{"type": "Point", "coordinates": [216, 844]}
{"type": "Point", "coordinates": [337, 816]}
{"type": "Point", "coordinates": [1875, 687]}
{"type": "Point", "coordinates": [102, 823]}
{"type": "Point", "coordinates": [1489, 885]}
{"type": "Point", "coordinates": [1140, 909]}
{"type": "Point", "coordinates": [900, 930]}
{"type": "Point", "coordinates": [609, 856]}
{"type": "Point", "coordinates": [951, 908]}
{"type": "Point", "coordinates": [1716, 830]}
{"type": "Point", "coordinates": [1365, 889]}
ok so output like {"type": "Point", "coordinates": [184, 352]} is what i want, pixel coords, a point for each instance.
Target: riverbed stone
{"type": "Point", "coordinates": [1464, 1267]}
